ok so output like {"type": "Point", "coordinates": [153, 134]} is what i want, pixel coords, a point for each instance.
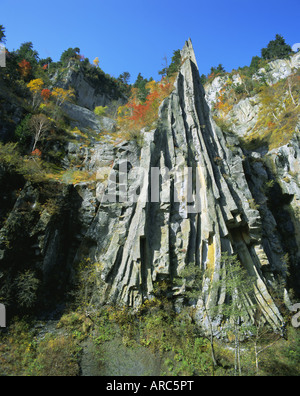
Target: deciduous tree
{"type": "Point", "coordinates": [24, 68]}
{"type": "Point", "coordinates": [96, 61]}
{"type": "Point", "coordinates": [46, 94]}
{"type": "Point", "coordinates": [63, 95]}
{"type": "Point", "coordinates": [39, 124]}
{"type": "Point", "coordinates": [35, 86]}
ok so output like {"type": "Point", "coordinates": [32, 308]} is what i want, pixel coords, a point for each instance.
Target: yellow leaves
{"type": "Point", "coordinates": [136, 115]}
{"type": "Point", "coordinates": [278, 115]}
{"type": "Point", "coordinates": [96, 61]}
{"type": "Point", "coordinates": [62, 95]}
{"type": "Point", "coordinates": [36, 85]}
{"type": "Point", "coordinates": [152, 86]}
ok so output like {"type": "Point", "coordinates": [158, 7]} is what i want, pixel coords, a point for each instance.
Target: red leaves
{"type": "Point", "coordinates": [45, 94]}
{"type": "Point", "coordinates": [36, 153]}
{"type": "Point", "coordinates": [136, 115]}
{"type": "Point", "coordinates": [25, 68]}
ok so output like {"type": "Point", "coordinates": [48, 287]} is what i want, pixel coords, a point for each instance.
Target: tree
{"type": "Point", "coordinates": [276, 49]}
{"type": "Point", "coordinates": [124, 77]}
{"type": "Point", "coordinates": [35, 86]}
{"type": "Point", "coordinates": [217, 70]}
{"type": "Point", "coordinates": [96, 61]}
{"type": "Point", "coordinates": [27, 286]}
{"type": "Point", "coordinates": [140, 84]}
{"type": "Point", "coordinates": [39, 124]}
{"type": "Point", "coordinates": [27, 52]}
{"type": "Point", "coordinates": [2, 34]}
{"type": "Point", "coordinates": [23, 132]}
{"type": "Point", "coordinates": [255, 64]}
{"type": "Point", "coordinates": [174, 66]}
{"type": "Point", "coordinates": [45, 62]}
{"type": "Point", "coordinates": [24, 68]}
{"type": "Point", "coordinates": [192, 284]}
{"type": "Point", "coordinates": [46, 94]}
{"type": "Point", "coordinates": [203, 79]}
{"type": "Point", "coordinates": [71, 53]}
{"type": "Point", "coordinates": [63, 95]}
{"type": "Point", "coordinates": [175, 63]}
{"type": "Point", "coordinates": [240, 290]}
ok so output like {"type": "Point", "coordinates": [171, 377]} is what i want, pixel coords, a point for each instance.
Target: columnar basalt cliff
{"type": "Point", "coordinates": [138, 243]}
{"type": "Point", "coordinates": [185, 194]}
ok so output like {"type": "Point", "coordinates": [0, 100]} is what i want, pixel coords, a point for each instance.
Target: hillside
{"type": "Point", "coordinates": [162, 217]}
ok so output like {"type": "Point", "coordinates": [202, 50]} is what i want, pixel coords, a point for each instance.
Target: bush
{"type": "Point", "coordinates": [56, 356]}
{"type": "Point", "coordinates": [23, 132]}
{"type": "Point", "coordinates": [27, 285]}
{"type": "Point", "coordinates": [100, 111]}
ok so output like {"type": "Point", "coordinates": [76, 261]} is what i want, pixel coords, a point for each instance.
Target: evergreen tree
{"type": "Point", "coordinates": [2, 34]}
{"type": "Point", "coordinates": [69, 54]}
{"type": "Point", "coordinates": [240, 292]}
{"type": "Point", "coordinates": [276, 49]}
{"type": "Point", "coordinates": [217, 70]}
{"type": "Point", "coordinates": [124, 77]}
{"type": "Point", "coordinates": [27, 52]}
{"type": "Point", "coordinates": [140, 84]}
{"type": "Point", "coordinates": [174, 65]}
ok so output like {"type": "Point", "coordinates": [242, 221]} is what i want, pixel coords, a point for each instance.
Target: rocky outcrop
{"type": "Point", "coordinates": [89, 94]}
{"type": "Point", "coordinates": [86, 120]}
{"type": "Point", "coordinates": [279, 69]}
{"type": "Point", "coordinates": [184, 196]}
{"type": "Point", "coordinates": [198, 214]}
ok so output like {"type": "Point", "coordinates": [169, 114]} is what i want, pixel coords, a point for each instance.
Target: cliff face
{"type": "Point", "coordinates": [199, 214]}
{"type": "Point", "coordinates": [185, 195]}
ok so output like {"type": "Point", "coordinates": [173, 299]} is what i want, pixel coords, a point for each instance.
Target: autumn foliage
{"type": "Point", "coordinates": [24, 68]}
{"type": "Point", "coordinates": [46, 94]}
{"type": "Point", "coordinates": [136, 115]}
{"type": "Point", "coordinates": [36, 153]}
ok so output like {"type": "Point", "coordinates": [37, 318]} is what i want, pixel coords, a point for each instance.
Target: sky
{"type": "Point", "coordinates": [137, 35]}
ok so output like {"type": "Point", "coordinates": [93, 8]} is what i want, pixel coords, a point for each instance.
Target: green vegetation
{"type": "Point", "coordinates": [2, 34]}
{"type": "Point", "coordinates": [278, 115]}
{"type": "Point", "coordinates": [276, 49]}
{"type": "Point", "coordinates": [180, 344]}
{"type": "Point", "coordinates": [35, 156]}
{"type": "Point", "coordinates": [174, 66]}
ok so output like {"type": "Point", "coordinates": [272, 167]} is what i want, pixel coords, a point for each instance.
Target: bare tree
{"type": "Point", "coordinates": [39, 124]}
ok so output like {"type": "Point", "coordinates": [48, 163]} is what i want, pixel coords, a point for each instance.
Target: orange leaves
{"type": "Point", "coordinates": [222, 103]}
{"type": "Point", "coordinates": [25, 68]}
{"type": "Point", "coordinates": [38, 92]}
{"type": "Point", "coordinates": [136, 115]}
{"type": "Point", "coordinates": [36, 153]}
{"type": "Point", "coordinates": [46, 94]}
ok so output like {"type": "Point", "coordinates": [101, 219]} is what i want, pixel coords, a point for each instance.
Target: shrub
{"type": "Point", "coordinates": [56, 356]}
{"type": "Point", "coordinates": [27, 285]}
{"type": "Point", "coordinates": [100, 111]}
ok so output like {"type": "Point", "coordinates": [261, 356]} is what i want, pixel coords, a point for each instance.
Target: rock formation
{"type": "Point", "coordinates": [138, 243]}
{"type": "Point", "coordinates": [185, 195]}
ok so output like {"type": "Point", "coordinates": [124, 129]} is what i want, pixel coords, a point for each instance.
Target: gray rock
{"type": "Point", "coordinates": [140, 242]}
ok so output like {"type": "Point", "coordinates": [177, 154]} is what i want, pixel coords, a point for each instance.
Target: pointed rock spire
{"type": "Point", "coordinates": [188, 52]}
